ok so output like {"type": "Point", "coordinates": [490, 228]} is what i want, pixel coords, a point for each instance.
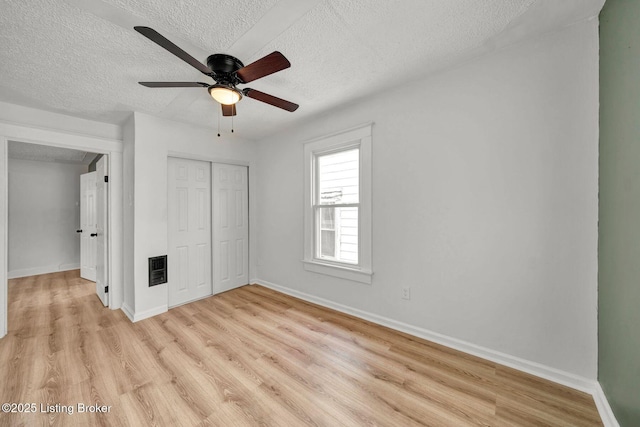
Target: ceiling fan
{"type": "Point", "coordinates": [228, 72]}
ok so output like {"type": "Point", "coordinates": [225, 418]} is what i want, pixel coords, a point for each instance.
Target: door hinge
{"type": "Point", "coordinates": [106, 289]}
{"type": "Point", "coordinates": [106, 178]}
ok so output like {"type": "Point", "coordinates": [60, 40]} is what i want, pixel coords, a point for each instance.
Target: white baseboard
{"type": "Point", "coordinates": [34, 271]}
{"type": "Point", "coordinates": [127, 311]}
{"type": "Point", "coordinates": [606, 413]}
{"type": "Point", "coordinates": [136, 317]}
{"type": "Point", "coordinates": [552, 374]}
{"type": "Point", "coordinates": [67, 267]}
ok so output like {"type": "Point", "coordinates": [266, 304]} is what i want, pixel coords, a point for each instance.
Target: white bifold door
{"type": "Point", "coordinates": [208, 217]}
{"type": "Point", "coordinates": [88, 232]}
{"type": "Point", "coordinates": [230, 226]}
{"type": "Point", "coordinates": [189, 219]}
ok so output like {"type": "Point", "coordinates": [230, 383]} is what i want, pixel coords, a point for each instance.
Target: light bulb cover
{"type": "Point", "coordinates": [227, 95]}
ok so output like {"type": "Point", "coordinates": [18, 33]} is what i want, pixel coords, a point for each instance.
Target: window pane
{"type": "Point", "coordinates": [347, 225]}
{"type": "Point", "coordinates": [328, 244]}
{"type": "Point", "coordinates": [327, 222]}
{"type": "Point", "coordinates": [338, 175]}
{"type": "Point", "coordinates": [337, 234]}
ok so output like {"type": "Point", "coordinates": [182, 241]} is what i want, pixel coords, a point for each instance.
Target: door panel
{"type": "Point", "coordinates": [88, 243]}
{"type": "Point", "coordinates": [102, 261]}
{"type": "Point", "coordinates": [189, 219]}
{"type": "Point", "coordinates": [223, 258]}
{"type": "Point", "coordinates": [223, 206]}
{"type": "Point", "coordinates": [230, 226]}
{"type": "Point", "coordinates": [239, 257]}
{"type": "Point", "coordinates": [202, 253]}
{"type": "Point", "coordinates": [183, 268]}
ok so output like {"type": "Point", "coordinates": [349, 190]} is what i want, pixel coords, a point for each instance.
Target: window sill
{"type": "Point", "coordinates": [355, 274]}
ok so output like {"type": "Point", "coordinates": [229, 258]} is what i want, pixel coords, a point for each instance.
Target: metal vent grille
{"type": "Point", "coordinates": [157, 270]}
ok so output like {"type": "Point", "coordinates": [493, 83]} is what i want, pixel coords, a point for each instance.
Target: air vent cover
{"type": "Point", "coordinates": [157, 270]}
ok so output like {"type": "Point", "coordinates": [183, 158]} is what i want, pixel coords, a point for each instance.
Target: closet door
{"type": "Point", "coordinates": [189, 219]}
{"type": "Point", "coordinates": [230, 226]}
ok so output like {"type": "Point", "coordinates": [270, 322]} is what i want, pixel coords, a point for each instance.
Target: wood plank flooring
{"type": "Point", "coordinates": [250, 357]}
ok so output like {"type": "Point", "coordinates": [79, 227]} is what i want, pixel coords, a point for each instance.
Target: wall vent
{"type": "Point", "coordinates": [157, 270]}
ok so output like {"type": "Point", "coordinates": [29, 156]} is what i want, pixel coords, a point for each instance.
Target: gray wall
{"type": "Point", "coordinates": [619, 234]}
{"type": "Point", "coordinates": [485, 198]}
{"type": "Point", "coordinates": [44, 213]}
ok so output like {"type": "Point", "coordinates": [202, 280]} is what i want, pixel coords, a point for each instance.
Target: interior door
{"type": "Point", "coordinates": [102, 279]}
{"type": "Point", "coordinates": [230, 226]}
{"type": "Point", "coordinates": [189, 219]}
{"type": "Point", "coordinates": [87, 230]}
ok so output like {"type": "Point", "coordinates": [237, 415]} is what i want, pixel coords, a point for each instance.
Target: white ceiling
{"type": "Point", "coordinates": [83, 58]}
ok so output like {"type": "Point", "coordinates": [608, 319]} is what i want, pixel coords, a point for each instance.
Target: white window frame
{"type": "Point", "coordinates": [357, 137]}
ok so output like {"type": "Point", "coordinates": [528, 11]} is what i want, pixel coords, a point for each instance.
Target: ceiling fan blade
{"type": "Point", "coordinates": [270, 99]}
{"type": "Point", "coordinates": [174, 84]}
{"type": "Point", "coordinates": [228, 110]}
{"type": "Point", "coordinates": [269, 64]}
{"type": "Point", "coordinates": [157, 38]}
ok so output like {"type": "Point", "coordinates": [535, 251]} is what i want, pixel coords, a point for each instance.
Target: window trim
{"type": "Point", "coordinates": [360, 137]}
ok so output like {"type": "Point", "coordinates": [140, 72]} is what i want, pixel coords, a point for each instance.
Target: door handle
{"type": "Point", "coordinates": [94, 234]}
{"type": "Point", "coordinates": [78, 231]}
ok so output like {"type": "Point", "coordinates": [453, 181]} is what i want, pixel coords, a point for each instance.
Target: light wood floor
{"type": "Point", "coordinates": [251, 356]}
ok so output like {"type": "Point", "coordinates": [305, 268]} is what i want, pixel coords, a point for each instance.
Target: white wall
{"type": "Point", "coordinates": [154, 141]}
{"type": "Point", "coordinates": [4, 213]}
{"type": "Point", "coordinates": [128, 209]}
{"type": "Point", "coordinates": [44, 213]}
{"type": "Point", "coordinates": [485, 197]}
{"type": "Point", "coordinates": [46, 120]}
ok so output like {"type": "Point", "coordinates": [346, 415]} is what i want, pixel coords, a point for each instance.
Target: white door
{"type": "Point", "coordinates": [230, 226]}
{"type": "Point", "coordinates": [189, 212]}
{"type": "Point", "coordinates": [88, 226]}
{"type": "Point", "coordinates": [101, 230]}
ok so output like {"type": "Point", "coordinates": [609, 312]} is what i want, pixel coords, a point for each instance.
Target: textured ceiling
{"type": "Point", "coordinates": [82, 57]}
{"type": "Point", "coordinates": [43, 153]}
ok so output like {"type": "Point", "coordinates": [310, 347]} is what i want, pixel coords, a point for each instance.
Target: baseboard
{"type": "Point", "coordinates": [606, 413]}
{"type": "Point", "coordinates": [561, 377]}
{"type": "Point", "coordinates": [34, 271]}
{"type": "Point", "coordinates": [67, 267]}
{"type": "Point", "coordinates": [127, 311]}
{"type": "Point", "coordinates": [136, 317]}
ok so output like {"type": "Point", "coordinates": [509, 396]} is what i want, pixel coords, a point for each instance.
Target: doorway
{"type": "Point", "coordinates": [43, 208]}
{"type": "Point", "coordinates": [51, 138]}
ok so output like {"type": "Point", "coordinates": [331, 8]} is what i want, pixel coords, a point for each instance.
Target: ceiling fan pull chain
{"type": "Point", "coordinates": [218, 123]}
{"type": "Point", "coordinates": [234, 113]}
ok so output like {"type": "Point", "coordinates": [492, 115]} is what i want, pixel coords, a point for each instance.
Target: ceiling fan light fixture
{"type": "Point", "coordinates": [227, 95]}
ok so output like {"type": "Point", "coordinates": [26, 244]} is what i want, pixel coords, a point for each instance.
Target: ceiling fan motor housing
{"type": "Point", "coordinates": [220, 62]}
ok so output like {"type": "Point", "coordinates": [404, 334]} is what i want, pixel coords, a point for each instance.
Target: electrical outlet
{"type": "Point", "coordinates": [406, 293]}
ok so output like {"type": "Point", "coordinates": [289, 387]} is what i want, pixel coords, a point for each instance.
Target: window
{"type": "Point", "coordinates": [338, 205]}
